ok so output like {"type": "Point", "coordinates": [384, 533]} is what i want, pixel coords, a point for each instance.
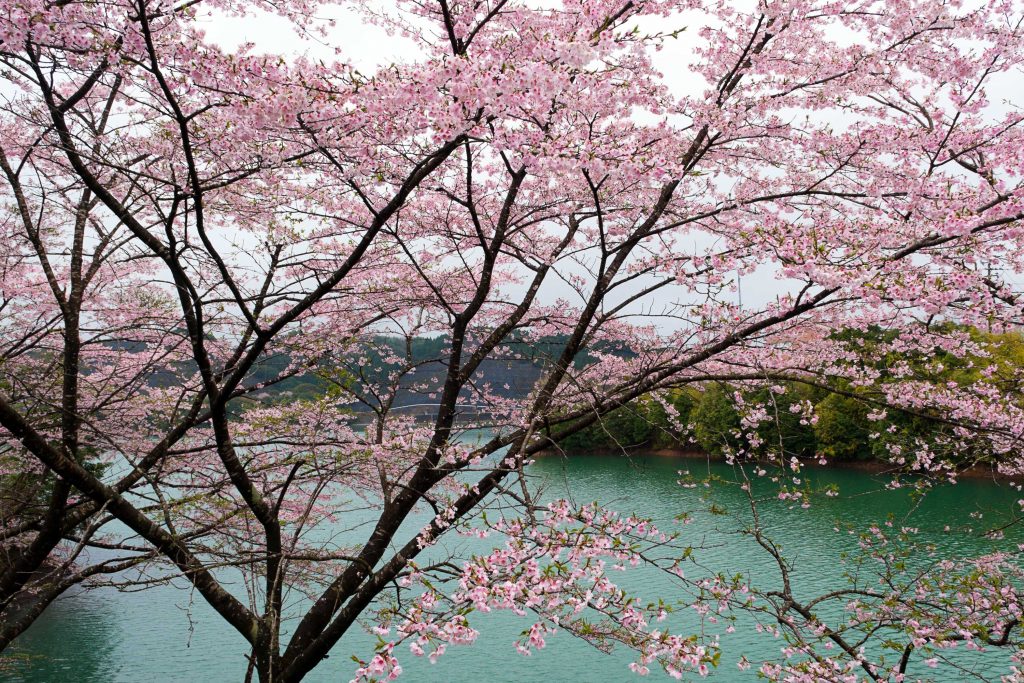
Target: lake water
{"type": "Point", "coordinates": [159, 635]}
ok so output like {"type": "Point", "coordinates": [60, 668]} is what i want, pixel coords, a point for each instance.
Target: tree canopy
{"type": "Point", "coordinates": [186, 226]}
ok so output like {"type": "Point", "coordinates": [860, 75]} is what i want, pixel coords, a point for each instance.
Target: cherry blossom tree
{"type": "Point", "coordinates": [188, 230]}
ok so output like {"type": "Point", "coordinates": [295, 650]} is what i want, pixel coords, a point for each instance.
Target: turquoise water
{"type": "Point", "coordinates": [163, 634]}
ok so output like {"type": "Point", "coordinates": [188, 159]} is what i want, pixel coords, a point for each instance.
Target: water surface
{"type": "Point", "coordinates": [169, 634]}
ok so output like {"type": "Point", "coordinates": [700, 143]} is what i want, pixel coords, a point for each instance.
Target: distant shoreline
{"type": "Point", "coordinates": [867, 466]}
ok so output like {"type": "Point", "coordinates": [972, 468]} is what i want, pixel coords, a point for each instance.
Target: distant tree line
{"type": "Point", "coordinates": [515, 368]}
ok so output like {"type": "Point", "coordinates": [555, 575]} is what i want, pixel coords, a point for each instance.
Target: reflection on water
{"type": "Point", "coordinates": [162, 635]}
{"type": "Point", "coordinates": [73, 640]}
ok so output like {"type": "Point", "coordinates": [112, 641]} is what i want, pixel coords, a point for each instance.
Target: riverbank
{"type": "Point", "coordinates": [878, 467]}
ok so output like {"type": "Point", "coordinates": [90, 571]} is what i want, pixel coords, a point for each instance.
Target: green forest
{"type": "Point", "coordinates": [848, 422]}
